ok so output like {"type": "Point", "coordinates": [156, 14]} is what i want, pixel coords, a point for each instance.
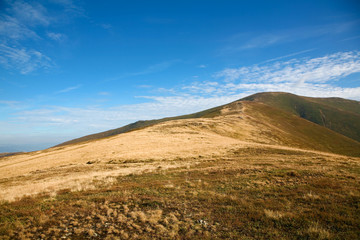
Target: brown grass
{"type": "Point", "coordinates": [249, 193]}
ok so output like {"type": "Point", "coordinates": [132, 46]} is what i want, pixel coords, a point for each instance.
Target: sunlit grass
{"type": "Point", "coordinates": [266, 196]}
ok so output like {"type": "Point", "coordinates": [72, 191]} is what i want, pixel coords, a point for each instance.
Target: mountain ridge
{"type": "Point", "coordinates": [237, 129]}
{"type": "Point", "coordinates": [336, 114]}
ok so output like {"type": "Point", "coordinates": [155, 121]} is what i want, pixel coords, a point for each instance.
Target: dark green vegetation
{"type": "Point", "coordinates": [337, 114]}
{"type": "Point", "coordinates": [252, 193]}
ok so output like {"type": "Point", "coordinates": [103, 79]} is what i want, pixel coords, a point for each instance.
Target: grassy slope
{"type": "Point", "coordinates": [250, 194]}
{"type": "Point", "coordinates": [7, 154]}
{"type": "Point", "coordinates": [295, 131]}
{"type": "Point", "coordinates": [141, 124]}
{"type": "Point", "coordinates": [339, 115]}
{"type": "Point", "coordinates": [340, 103]}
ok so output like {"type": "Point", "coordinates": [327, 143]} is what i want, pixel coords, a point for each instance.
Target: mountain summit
{"type": "Point", "coordinates": [325, 124]}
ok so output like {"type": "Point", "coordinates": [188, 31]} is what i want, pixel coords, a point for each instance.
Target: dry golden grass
{"type": "Point", "coordinates": [253, 193]}
{"type": "Point", "coordinates": [224, 178]}
{"type": "Point", "coordinates": [273, 214]}
{"type": "Point", "coordinates": [167, 145]}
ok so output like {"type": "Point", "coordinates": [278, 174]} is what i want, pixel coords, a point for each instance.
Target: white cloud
{"type": "Point", "coordinates": [155, 68]}
{"type": "Point", "coordinates": [144, 86]}
{"type": "Point", "coordinates": [104, 93]}
{"type": "Point", "coordinates": [23, 60]}
{"type": "Point", "coordinates": [30, 14]}
{"type": "Point", "coordinates": [9, 103]}
{"type": "Point", "coordinates": [297, 71]}
{"type": "Point", "coordinates": [248, 41]}
{"type": "Point", "coordinates": [21, 21]}
{"type": "Point", "coordinates": [315, 77]}
{"type": "Point", "coordinates": [289, 55]}
{"type": "Point", "coordinates": [68, 89]}
{"type": "Point", "coordinates": [206, 87]}
{"type": "Point", "coordinates": [17, 23]}
{"type": "Point", "coordinates": [56, 36]}
{"type": "Point", "coordinates": [106, 26]}
{"type": "Point", "coordinates": [11, 28]}
{"type": "Point", "coordinates": [263, 41]}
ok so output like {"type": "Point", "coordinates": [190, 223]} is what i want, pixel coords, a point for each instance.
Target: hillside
{"type": "Point", "coordinates": [244, 170]}
{"type": "Point", "coordinates": [220, 130]}
{"type": "Point", "coordinates": [139, 125]}
{"type": "Point", "coordinates": [339, 115]}
{"type": "Point", "coordinates": [291, 130]}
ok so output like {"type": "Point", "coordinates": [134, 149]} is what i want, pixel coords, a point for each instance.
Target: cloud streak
{"type": "Point", "coordinates": [22, 22]}
{"type": "Point", "coordinates": [249, 41]}
{"type": "Point", "coordinates": [289, 55]}
{"type": "Point", "coordinates": [69, 89]}
{"type": "Point", "coordinates": [155, 68]}
{"type": "Point", "coordinates": [22, 59]}
{"type": "Point", "coordinates": [297, 71]}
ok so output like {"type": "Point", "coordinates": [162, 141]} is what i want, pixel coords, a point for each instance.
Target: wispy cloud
{"type": "Point", "coordinates": [263, 41]}
{"type": "Point", "coordinates": [206, 87]}
{"type": "Point", "coordinates": [158, 67]}
{"type": "Point", "coordinates": [22, 59]}
{"type": "Point", "coordinates": [17, 23]}
{"type": "Point", "coordinates": [12, 29]}
{"type": "Point", "coordinates": [248, 41]}
{"type": "Point", "coordinates": [155, 68]}
{"type": "Point", "coordinates": [9, 103]}
{"type": "Point", "coordinates": [315, 77]}
{"type": "Point", "coordinates": [105, 26]}
{"type": "Point", "coordinates": [144, 86]}
{"type": "Point", "coordinates": [21, 21]}
{"type": "Point", "coordinates": [68, 89]}
{"type": "Point", "coordinates": [31, 14]}
{"type": "Point", "coordinates": [289, 55]}
{"type": "Point", "coordinates": [104, 93]}
{"type": "Point", "coordinates": [296, 71]}
{"type": "Point", "coordinates": [56, 36]}
{"type": "Point", "coordinates": [351, 38]}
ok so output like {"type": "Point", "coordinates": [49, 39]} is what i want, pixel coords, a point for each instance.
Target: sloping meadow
{"type": "Point", "coordinates": [250, 193]}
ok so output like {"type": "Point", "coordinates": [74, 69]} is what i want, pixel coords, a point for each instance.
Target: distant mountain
{"type": "Point", "coordinates": [324, 124]}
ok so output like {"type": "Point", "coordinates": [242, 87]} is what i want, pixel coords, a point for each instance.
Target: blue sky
{"type": "Point", "coordinates": [71, 68]}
